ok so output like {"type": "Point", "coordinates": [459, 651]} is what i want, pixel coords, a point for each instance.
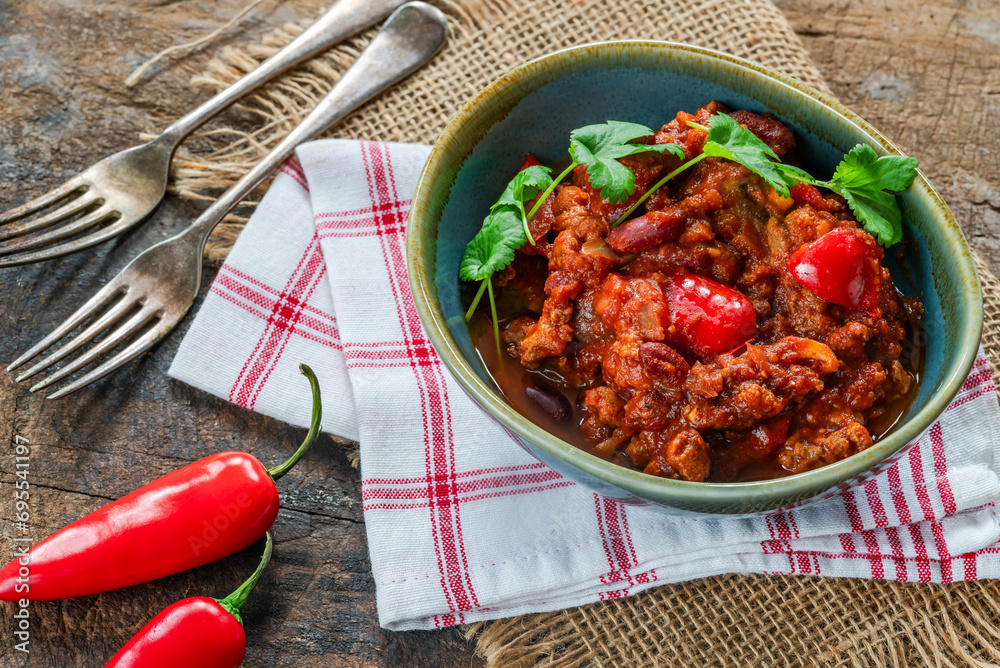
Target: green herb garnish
{"type": "Point", "coordinates": [867, 182]}
{"type": "Point", "coordinates": [862, 178]}
{"type": "Point", "coordinates": [729, 140]}
{"type": "Point", "coordinates": [522, 189]}
{"type": "Point", "coordinates": [491, 250]}
{"type": "Point", "coordinates": [598, 148]}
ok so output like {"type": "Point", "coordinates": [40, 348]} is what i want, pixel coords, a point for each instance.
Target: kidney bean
{"type": "Point", "coordinates": [550, 401]}
{"type": "Point", "coordinates": [770, 131]}
{"type": "Point", "coordinates": [637, 234]}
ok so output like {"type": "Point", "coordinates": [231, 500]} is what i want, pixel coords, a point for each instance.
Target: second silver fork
{"type": "Point", "coordinates": [144, 302]}
{"type": "Point", "coordinates": [118, 192]}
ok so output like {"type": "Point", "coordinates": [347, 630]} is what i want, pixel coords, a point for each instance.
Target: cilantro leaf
{"type": "Point", "coordinates": [877, 210]}
{"type": "Point", "coordinates": [861, 168]}
{"type": "Point", "coordinates": [492, 249]}
{"type": "Point", "coordinates": [524, 187]}
{"type": "Point", "coordinates": [862, 178]}
{"type": "Point", "coordinates": [598, 147]}
{"type": "Point", "coordinates": [730, 140]}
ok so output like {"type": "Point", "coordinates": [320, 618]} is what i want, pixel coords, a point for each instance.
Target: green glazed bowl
{"type": "Point", "coordinates": [532, 110]}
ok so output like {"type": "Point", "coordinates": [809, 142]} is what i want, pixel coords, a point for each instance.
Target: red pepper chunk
{"type": "Point", "coordinates": [202, 512]}
{"type": "Point", "coordinates": [197, 631]}
{"type": "Point", "coordinates": [713, 318]}
{"type": "Point", "coordinates": [530, 161]}
{"type": "Point", "coordinates": [841, 267]}
{"type": "Point", "coordinates": [803, 193]}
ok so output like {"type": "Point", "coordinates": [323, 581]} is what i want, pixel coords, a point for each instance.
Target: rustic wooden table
{"type": "Point", "coordinates": [926, 73]}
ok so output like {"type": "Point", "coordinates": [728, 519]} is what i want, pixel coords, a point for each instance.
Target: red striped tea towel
{"type": "Point", "coordinates": [465, 525]}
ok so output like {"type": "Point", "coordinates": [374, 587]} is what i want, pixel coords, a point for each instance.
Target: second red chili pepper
{"type": "Point", "coordinates": [197, 631]}
{"type": "Point", "coordinates": [198, 514]}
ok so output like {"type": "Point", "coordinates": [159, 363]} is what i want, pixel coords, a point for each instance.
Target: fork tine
{"type": "Point", "coordinates": [97, 301]}
{"type": "Point", "coordinates": [93, 329]}
{"type": "Point", "coordinates": [70, 208]}
{"type": "Point", "coordinates": [133, 350]}
{"type": "Point", "coordinates": [58, 250]}
{"type": "Point", "coordinates": [43, 201]}
{"type": "Point", "coordinates": [127, 329]}
{"type": "Point", "coordinates": [61, 232]}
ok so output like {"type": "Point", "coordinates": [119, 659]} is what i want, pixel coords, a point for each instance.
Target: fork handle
{"type": "Point", "coordinates": [344, 19]}
{"type": "Point", "coordinates": [410, 37]}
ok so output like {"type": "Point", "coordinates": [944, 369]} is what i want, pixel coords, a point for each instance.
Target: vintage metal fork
{"type": "Point", "coordinates": [149, 297]}
{"type": "Point", "coordinates": [121, 190]}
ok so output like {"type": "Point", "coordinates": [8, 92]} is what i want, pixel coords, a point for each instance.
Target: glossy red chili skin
{"type": "Point", "coordinates": [839, 267]}
{"type": "Point", "coordinates": [196, 515]}
{"type": "Point", "coordinates": [713, 318]}
{"type": "Point", "coordinates": [194, 632]}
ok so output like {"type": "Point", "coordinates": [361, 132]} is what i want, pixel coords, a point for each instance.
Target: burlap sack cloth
{"type": "Point", "coordinates": [742, 620]}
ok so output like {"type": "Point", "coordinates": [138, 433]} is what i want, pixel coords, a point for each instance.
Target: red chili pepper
{"type": "Point", "coordinates": [841, 267]}
{"type": "Point", "coordinates": [712, 317]}
{"type": "Point", "coordinates": [197, 631]}
{"type": "Point", "coordinates": [205, 511]}
{"type": "Point", "coordinates": [530, 161]}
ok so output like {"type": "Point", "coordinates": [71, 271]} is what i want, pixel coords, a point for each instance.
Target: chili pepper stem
{"type": "Point", "coordinates": [314, 427]}
{"type": "Point", "coordinates": [234, 603]}
{"type": "Point", "coordinates": [552, 186]}
{"type": "Point", "coordinates": [475, 302]}
{"type": "Point", "coordinates": [690, 163]}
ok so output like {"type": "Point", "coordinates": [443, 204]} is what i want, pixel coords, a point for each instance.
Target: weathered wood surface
{"type": "Point", "coordinates": [926, 73]}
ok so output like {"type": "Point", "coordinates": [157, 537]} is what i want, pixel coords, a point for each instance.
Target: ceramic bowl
{"type": "Point", "coordinates": [532, 110]}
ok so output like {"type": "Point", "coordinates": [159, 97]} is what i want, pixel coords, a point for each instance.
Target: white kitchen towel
{"type": "Point", "coordinates": [463, 524]}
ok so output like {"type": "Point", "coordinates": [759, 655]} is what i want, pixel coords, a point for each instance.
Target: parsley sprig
{"type": "Point", "coordinates": [598, 148]}
{"type": "Point", "coordinates": [490, 251]}
{"type": "Point", "coordinates": [864, 179]}
{"type": "Point", "coordinates": [522, 189]}
{"type": "Point", "coordinates": [506, 228]}
{"type": "Point", "coordinates": [867, 181]}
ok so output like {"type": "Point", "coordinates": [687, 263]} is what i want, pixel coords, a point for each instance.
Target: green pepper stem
{"type": "Point", "coordinates": [233, 604]}
{"type": "Point", "coordinates": [475, 302]}
{"type": "Point", "coordinates": [314, 427]}
{"type": "Point", "coordinates": [548, 191]}
{"type": "Point", "coordinates": [657, 185]}
{"type": "Point", "coordinates": [493, 310]}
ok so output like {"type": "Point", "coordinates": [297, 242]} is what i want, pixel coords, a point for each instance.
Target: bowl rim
{"type": "Point", "coordinates": [662, 490]}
